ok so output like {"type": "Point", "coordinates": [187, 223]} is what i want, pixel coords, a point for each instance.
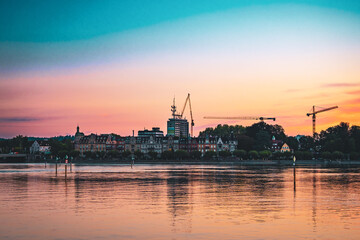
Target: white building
{"type": "Point", "coordinates": [40, 147]}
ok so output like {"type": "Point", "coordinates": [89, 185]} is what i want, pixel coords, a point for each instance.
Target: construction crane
{"type": "Point", "coordinates": [243, 118]}
{"type": "Point", "coordinates": [191, 115]}
{"type": "Point", "coordinates": [313, 113]}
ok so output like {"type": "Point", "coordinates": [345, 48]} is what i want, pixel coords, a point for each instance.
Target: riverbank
{"type": "Point", "coordinates": [240, 163]}
{"type": "Point", "coordinates": [325, 163]}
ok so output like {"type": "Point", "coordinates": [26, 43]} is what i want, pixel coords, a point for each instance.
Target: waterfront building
{"type": "Point", "coordinates": [170, 143]}
{"type": "Point", "coordinates": [112, 143]}
{"type": "Point", "coordinates": [226, 145]}
{"type": "Point", "coordinates": [276, 144]}
{"type": "Point", "coordinates": [207, 144]}
{"type": "Point", "coordinates": [184, 144]}
{"type": "Point", "coordinates": [156, 132]}
{"type": "Point", "coordinates": [216, 144]}
{"type": "Point", "coordinates": [120, 144]}
{"type": "Point", "coordinates": [151, 144]}
{"type": "Point", "coordinates": [78, 135]}
{"type": "Point", "coordinates": [150, 140]}
{"type": "Point", "coordinates": [177, 126]}
{"type": "Point", "coordinates": [188, 144]}
{"type": "Point", "coordinates": [132, 144]}
{"type": "Point", "coordinates": [220, 146]}
{"type": "Point", "coordinates": [285, 148]}
{"type": "Point", "coordinates": [40, 147]}
{"type": "Point", "coordinates": [279, 146]}
{"type": "Point", "coordinates": [98, 143]}
{"type": "Point", "coordinates": [232, 145]}
{"type": "Point", "coordinates": [93, 143]}
{"type": "Point", "coordinates": [193, 145]}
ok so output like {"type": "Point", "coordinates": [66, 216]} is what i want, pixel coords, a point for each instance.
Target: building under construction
{"type": "Point", "coordinates": [177, 126]}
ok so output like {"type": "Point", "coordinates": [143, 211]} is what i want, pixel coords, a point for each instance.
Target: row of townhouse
{"type": "Point", "coordinates": [160, 144]}
{"type": "Point", "coordinates": [150, 143]}
{"type": "Point", "coordinates": [99, 143]}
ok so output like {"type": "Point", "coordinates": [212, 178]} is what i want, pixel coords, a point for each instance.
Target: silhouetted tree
{"type": "Point", "coordinates": [126, 154]}
{"type": "Point", "coordinates": [167, 155]}
{"type": "Point", "coordinates": [181, 154]}
{"type": "Point", "coordinates": [138, 154]}
{"type": "Point", "coordinates": [263, 140]}
{"type": "Point", "coordinates": [224, 154]}
{"type": "Point", "coordinates": [153, 155]}
{"type": "Point", "coordinates": [209, 155]}
{"type": "Point", "coordinates": [245, 142]}
{"type": "Point", "coordinates": [265, 154]}
{"type": "Point", "coordinates": [195, 154]}
{"type": "Point", "coordinates": [253, 154]}
{"type": "Point", "coordinates": [293, 143]}
{"type": "Point", "coordinates": [306, 143]}
{"type": "Point", "coordinates": [240, 154]}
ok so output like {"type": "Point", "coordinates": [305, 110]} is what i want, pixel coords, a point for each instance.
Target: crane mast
{"type": "Point", "coordinates": [191, 115]}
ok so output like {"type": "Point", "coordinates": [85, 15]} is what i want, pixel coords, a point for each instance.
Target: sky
{"type": "Point", "coordinates": [115, 66]}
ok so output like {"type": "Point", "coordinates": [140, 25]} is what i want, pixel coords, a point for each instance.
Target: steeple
{"type": "Point", "coordinates": [77, 129]}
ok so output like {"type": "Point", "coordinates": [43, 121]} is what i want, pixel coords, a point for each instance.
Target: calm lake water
{"type": "Point", "coordinates": [178, 202]}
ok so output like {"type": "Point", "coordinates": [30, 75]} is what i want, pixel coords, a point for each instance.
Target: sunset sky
{"type": "Point", "coordinates": [115, 66]}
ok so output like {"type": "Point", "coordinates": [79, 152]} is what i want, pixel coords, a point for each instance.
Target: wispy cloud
{"type": "Point", "coordinates": [355, 92]}
{"type": "Point", "coordinates": [24, 119]}
{"type": "Point", "coordinates": [15, 92]}
{"type": "Point", "coordinates": [292, 90]}
{"type": "Point", "coordinates": [353, 101]}
{"type": "Point", "coordinates": [19, 119]}
{"type": "Point", "coordinates": [341, 85]}
{"type": "Point", "coordinates": [350, 109]}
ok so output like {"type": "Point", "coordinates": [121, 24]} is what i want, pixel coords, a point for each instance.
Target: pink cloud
{"type": "Point", "coordinates": [341, 85]}
{"type": "Point", "coordinates": [353, 101]}
{"type": "Point", "coordinates": [350, 110]}
{"type": "Point", "coordinates": [292, 90]}
{"type": "Point", "coordinates": [355, 92]}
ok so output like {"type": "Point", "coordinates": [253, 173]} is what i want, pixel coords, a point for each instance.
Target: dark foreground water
{"type": "Point", "coordinates": [178, 202]}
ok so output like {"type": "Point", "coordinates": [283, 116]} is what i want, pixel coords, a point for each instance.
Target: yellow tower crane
{"type": "Point", "coordinates": [191, 115]}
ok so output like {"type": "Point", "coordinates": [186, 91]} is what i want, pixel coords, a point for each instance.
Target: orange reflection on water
{"type": "Point", "coordinates": [178, 202]}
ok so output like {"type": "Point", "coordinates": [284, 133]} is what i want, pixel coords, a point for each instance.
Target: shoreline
{"type": "Point", "coordinates": [333, 163]}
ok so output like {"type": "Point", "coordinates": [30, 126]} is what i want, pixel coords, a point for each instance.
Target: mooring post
{"type": "Point", "coordinates": [132, 160]}
{"type": "Point", "coordinates": [66, 163]}
{"type": "Point", "coordinates": [294, 178]}
{"type": "Point", "coordinates": [294, 164]}
{"type": "Point", "coordinates": [71, 164]}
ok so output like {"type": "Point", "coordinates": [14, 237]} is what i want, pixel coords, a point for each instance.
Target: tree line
{"type": "Point", "coordinates": [337, 142]}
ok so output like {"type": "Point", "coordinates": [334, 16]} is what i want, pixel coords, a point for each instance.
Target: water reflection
{"type": "Point", "coordinates": [179, 201]}
{"type": "Point", "coordinates": [162, 202]}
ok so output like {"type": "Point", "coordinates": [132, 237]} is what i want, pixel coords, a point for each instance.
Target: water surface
{"type": "Point", "coordinates": [178, 202]}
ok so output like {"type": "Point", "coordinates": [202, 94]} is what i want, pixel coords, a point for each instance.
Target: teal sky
{"type": "Point", "coordinates": [56, 21]}
{"type": "Point", "coordinates": [62, 35]}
